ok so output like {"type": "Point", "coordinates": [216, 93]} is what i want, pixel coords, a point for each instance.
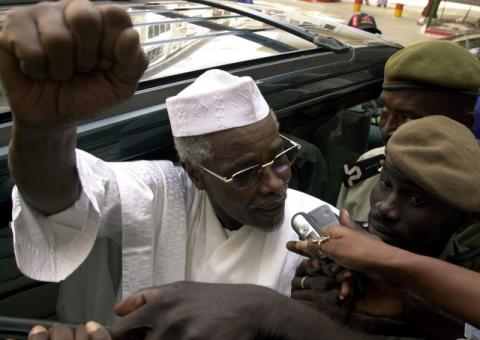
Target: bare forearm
{"type": "Point", "coordinates": [45, 101]}
{"type": "Point", "coordinates": [42, 163]}
{"type": "Point", "coordinates": [454, 289]}
{"type": "Point", "coordinates": [432, 321]}
{"type": "Point", "coordinates": [302, 322]}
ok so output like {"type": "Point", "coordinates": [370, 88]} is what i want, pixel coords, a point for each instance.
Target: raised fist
{"type": "Point", "coordinates": [66, 62]}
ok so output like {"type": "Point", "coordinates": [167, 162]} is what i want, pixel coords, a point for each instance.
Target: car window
{"type": "Point", "coordinates": [474, 43]}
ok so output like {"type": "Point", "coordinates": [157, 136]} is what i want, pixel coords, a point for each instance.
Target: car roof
{"type": "Point", "coordinates": [467, 35]}
{"type": "Point", "coordinates": [183, 36]}
{"type": "Point", "coordinates": [281, 50]}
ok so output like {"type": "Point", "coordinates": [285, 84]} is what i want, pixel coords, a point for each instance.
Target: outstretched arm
{"type": "Point", "coordinates": [62, 63]}
{"type": "Point", "coordinates": [221, 311]}
{"type": "Point", "coordinates": [454, 289]}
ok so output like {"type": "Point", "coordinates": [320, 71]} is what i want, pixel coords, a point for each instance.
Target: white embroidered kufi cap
{"type": "Point", "coordinates": [216, 101]}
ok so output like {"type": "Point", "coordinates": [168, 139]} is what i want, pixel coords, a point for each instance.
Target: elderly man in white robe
{"type": "Point", "coordinates": [106, 229]}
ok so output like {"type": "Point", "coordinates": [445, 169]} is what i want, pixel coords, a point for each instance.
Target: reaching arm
{"type": "Point", "coordinates": [454, 289]}
{"type": "Point", "coordinates": [62, 63]}
{"type": "Point", "coordinates": [221, 311]}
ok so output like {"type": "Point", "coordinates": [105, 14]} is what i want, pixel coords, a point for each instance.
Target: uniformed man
{"type": "Point", "coordinates": [433, 77]}
{"type": "Point", "coordinates": [429, 190]}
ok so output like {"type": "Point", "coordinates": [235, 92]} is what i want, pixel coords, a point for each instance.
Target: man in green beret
{"type": "Point", "coordinates": [428, 191]}
{"type": "Point", "coordinates": [433, 77]}
{"type": "Point", "coordinates": [429, 186]}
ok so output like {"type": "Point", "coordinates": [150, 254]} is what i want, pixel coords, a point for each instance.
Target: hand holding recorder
{"type": "Point", "coordinates": [309, 226]}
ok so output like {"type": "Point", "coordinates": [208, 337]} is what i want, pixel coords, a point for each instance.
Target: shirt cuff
{"type": "Point", "coordinates": [50, 248]}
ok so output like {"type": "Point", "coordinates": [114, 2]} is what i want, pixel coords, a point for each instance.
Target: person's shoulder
{"type": "Point", "coordinates": [305, 201]}
{"type": "Point", "coordinates": [372, 153]}
{"type": "Point", "coordinates": [293, 194]}
{"type": "Point", "coordinates": [471, 332]}
{"type": "Point", "coordinates": [157, 167]}
{"type": "Point", "coordinates": [158, 174]}
{"type": "Point", "coordinates": [141, 165]}
{"type": "Point", "coordinates": [367, 166]}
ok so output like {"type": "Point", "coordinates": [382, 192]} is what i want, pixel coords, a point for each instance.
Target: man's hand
{"type": "Point", "coordinates": [329, 287]}
{"type": "Point", "coordinates": [189, 310]}
{"type": "Point", "coordinates": [62, 63]}
{"type": "Point", "coordinates": [193, 310]}
{"type": "Point", "coordinates": [91, 331]}
{"type": "Point", "coordinates": [351, 247]}
{"type": "Point", "coordinates": [320, 274]}
{"type": "Point", "coordinates": [65, 62]}
{"type": "Point", "coordinates": [320, 278]}
{"type": "Point", "coordinates": [378, 308]}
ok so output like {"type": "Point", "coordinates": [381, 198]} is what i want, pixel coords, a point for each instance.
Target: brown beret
{"type": "Point", "coordinates": [442, 157]}
{"type": "Point", "coordinates": [433, 65]}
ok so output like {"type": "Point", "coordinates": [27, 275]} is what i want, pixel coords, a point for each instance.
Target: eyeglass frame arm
{"type": "Point", "coordinates": [263, 166]}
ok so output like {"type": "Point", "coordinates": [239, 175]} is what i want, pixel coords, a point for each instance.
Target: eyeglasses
{"type": "Point", "coordinates": [247, 177]}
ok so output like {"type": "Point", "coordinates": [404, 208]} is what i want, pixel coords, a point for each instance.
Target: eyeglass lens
{"type": "Point", "coordinates": [281, 164]}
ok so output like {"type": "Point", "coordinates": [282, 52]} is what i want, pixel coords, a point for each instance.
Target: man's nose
{"type": "Point", "coordinates": [271, 182]}
{"type": "Point", "coordinates": [390, 124]}
{"type": "Point", "coordinates": [389, 208]}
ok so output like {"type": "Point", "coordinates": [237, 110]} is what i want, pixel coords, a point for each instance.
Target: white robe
{"type": "Point", "coordinates": [165, 229]}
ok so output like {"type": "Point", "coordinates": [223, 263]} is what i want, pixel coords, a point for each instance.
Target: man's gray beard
{"type": "Point", "coordinates": [272, 228]}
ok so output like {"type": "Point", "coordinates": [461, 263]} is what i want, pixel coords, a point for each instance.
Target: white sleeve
{"type": "Point", "coordinates": [50, 248]}
{"type": "Point", "coordinates": [471, 333]}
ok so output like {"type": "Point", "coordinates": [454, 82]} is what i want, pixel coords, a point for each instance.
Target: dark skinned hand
{"type": "Point", "coordinates": [194, 310]}
{"type": "Point", "coordinates": [90, 331]}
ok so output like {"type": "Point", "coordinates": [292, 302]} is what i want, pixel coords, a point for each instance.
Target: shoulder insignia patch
{"type": "Point", "coordinates": [354, 173]}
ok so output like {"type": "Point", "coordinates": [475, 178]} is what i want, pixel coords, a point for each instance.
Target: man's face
{"type": "Point", "coordinates": [400, 106]}
{"type": "Point", "coordinates": [261, 204]}
{"type": "Point", "coordinates": [405, 216]}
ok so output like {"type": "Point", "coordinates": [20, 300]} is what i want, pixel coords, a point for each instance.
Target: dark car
{"type": "Point", "coordinates": [470, 40]}
{"type": "Point", "coordinates": [317, 75]}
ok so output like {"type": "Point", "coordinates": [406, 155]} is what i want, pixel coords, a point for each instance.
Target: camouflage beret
{"type": "Point", "coordinates": [433, 65]}
{"type": "Point", "coordinates": [442, 157]}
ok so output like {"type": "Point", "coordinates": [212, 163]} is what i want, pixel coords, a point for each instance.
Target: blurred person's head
{"type": "Point", "coordinates": [364, 22]}
{"type": "Point", "coordinates": [433, 77]}
{"type": "Point", "coordinates": [429, 186]}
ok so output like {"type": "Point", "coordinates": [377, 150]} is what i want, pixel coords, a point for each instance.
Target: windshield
{"type": "Point", "coordinates": [182, 37]}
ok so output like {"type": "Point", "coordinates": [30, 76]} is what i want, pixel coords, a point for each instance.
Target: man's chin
{"type": "Point", "coordinates": [271, 224]}
{"type": "Point", "coordinates": [385, 237]}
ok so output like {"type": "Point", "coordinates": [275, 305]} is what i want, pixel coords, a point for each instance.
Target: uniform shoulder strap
{"type": "Point", "coordinates": [359, 171]}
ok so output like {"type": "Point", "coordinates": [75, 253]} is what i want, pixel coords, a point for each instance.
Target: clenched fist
{"type": "Point", "coordinates": [65, 62]}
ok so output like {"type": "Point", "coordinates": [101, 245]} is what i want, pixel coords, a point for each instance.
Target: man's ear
{"type": "Point", "coordinates": [194, 174]}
